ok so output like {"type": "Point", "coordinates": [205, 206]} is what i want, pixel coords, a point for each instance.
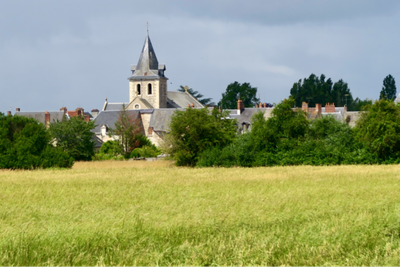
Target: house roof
{"type": "Point", "coordinates": [177, 99]}
{"type": "Point", "coordinates": [114, 106]}
{"type": "Point", "coordinates": [160, 119]}
{"type": "Point", "coordinates": [40, 116]}
{"type": "Point", "coordinates": [245, 116]}
{"type": "Point", "coordinates": [109, 118]}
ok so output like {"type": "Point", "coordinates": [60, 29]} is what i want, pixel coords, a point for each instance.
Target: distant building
{"type": "Point", "coordinates": [148, 97]}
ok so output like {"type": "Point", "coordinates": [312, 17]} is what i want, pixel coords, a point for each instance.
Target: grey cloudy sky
{"type": "Point", "coordinates": [75, 53]}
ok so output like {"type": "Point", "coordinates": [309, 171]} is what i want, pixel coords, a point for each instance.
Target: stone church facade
{"type": "Point", "coordinates": [148, 97]}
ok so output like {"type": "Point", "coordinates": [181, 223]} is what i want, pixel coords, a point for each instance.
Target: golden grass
{"type": "Point", "coordinates": [149, 213]}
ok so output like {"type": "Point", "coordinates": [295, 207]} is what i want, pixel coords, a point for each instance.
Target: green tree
{"type": "Point", "coordinates": [198, 96]}
{"type": "Point", "coordinates": [74, 136]}
{"type": "Point", "coordinates": [194, 130]}
{"type": "Point", "coordinates": [25, 144]}
{"type": "Point", "coordinates": [128, 129]}
{"type": "Point", "coordinates": [360, 105]}
{"type": "Point", "coordinates": [287, 123]}
{"type": "Point", "coordinates": [319, 90]}
{"type": "Point", "coordinates": [234, 91]}
{"type": "Point", "coordinates": [378, 129]}
{"type": "Point", "coordinates": [388, 91]}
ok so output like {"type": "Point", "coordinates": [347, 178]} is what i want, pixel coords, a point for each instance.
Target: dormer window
{"type": "Point", "coordinates": [149, 91]}
{"type": "Point", "coordinates": [138, 89]}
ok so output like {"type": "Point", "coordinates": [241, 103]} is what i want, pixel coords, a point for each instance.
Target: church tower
{"type": "Point", "coordinates": [148, 85]}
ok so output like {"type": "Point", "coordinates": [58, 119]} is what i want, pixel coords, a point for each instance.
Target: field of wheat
{"type": "Point", "coordinates": [152, 213]}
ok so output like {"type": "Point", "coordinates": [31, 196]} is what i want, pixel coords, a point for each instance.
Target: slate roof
{"type": "Point", "coordinates": [115, 106]}
{"type": "Point", "coordinates": [245, 116]}
{"type": "Point", "coordinates": [161, 118]}
{"type": "Point", "coordinates": [147, 67]}
{"type": "Point", "coordinates": [54, 115]}
{"type": "Point", "coordinates": [177, 99]}
{"type": "Point", "coordinates": [109, 118]}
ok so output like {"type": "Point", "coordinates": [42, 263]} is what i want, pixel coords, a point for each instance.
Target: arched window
{"type": "Point", "coordinates": [149, 89]}
{"type": "Point", "coordinates": [138, 89]}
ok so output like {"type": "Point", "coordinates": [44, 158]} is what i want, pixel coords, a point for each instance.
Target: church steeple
{"type": "Point", "coordinates": [148, 80]}
{"type": "Point", "coordinates": [148, 59]}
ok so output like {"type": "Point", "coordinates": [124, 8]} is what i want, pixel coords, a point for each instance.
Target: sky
{"type": "Point", "coordinates": [77, 53]}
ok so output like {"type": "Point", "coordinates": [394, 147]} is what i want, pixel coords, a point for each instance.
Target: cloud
{"type": "Point", "coordinates": [72, 53]}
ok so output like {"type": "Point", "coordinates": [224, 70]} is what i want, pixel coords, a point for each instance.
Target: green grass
{"type": "Point", "coordinates": [130, 213]}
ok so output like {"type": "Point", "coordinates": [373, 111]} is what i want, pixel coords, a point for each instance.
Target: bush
{"type": "Point", "coordinates": [196, 130]}
{"type": "Point", "coordinates": [74, 136]}
{"type": "Point", "coordinates": [378, 130]}
{"type": "Point", "coordinates": [25, 144]}
{"type": "Point", "coordinates": [145, 152]}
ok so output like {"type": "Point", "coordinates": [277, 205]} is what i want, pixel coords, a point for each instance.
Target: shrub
{"type": "Point", "coordinates": [25, 144]}
{"type": "Point", "coordinates": [145, 152]}
{"type": "Point", "coordinates": [195, 130]}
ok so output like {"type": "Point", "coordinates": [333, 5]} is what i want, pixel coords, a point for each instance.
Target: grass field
{"type": "Point", "coordinates": [151, 213]}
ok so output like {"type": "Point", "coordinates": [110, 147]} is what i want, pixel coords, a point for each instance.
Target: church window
{"type": "Point", "coordinates": [149, 89]}
{"type": "Point", "coordinates": [137, 106]}
{"type": "Point", "coordinates": [138, 89]}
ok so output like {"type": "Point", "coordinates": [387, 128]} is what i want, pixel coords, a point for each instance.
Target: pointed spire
{"type": "Point", "coordinates": [148, 60]}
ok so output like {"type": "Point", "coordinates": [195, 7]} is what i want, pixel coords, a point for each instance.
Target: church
{"type": "Point", "coordinates": [148, 86]}
{"type": "Point", "coordinates": [150, 102]}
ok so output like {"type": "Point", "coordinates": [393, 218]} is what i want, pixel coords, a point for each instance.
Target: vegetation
{"type": "Point", "coordinates": [388, 91]}
{"type": "Point", "coordinates": [379, 131]}
{"type": "Point", "coordinates": [319, 90]}
{"type": "Point", "coordinates": [74, 136]}
{"type": "Point", "coordinates": [198, 96]}
{"type": "Point", "coordinates": [25, 144]}
{"type": "Point", "coordinates": [235, 91]}
{"type": "Point", "coordinates": [289, 138]}
{"type": "Point", "coordinates": [138, 213]}
{"type": "Point", "coordinates": [128, 129]}
{"type": "Point", "coordinates": [195, 130]}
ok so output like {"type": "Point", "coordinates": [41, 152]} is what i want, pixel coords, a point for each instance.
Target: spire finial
{"type": "Point", "coordinates": [147, 28]}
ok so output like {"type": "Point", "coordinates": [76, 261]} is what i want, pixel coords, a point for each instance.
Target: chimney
{"type": "Point", "coordinates": [192, 105]}
{"type": "Point", "coordinates": [64, 109]}
{"type": "Point", "coordinates": [318, 108]}
{"type": "Point", "coordinates": [240, 107]}
{"type": "Point", "coordinates": [8, 113]}
{"type": "Point", "coordinates": [18, 109]}
{"type": "Point", "coordinates": [95, 112]}
{"type": "Point", "coordinates": [47, 119]}
{"type": "Point", "coordinates": [150, 130]}
{"type": "Point", "coordinates": [79, 111]}
{"type": "Point", "coordinates": [304, 106]}
{"type": "Point", "coordinates": [345, 108]}
{"type": "Point", "coordinates": [330, 108]}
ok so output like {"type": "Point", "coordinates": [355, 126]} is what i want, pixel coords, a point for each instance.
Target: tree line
{"type": "Point", "coordinates": [204, 138]}
{"type": "Point", "coordinates": [312, 90]}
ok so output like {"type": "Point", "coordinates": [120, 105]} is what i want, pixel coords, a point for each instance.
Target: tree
{"type": "Point", "coordinates": [236, 91]}
{"type": "Point", "coordinates": [74, 136]}
{"type": "Point", "coordinates": [378, 129]}
{"type": "Point", "coordinates": [360, 105]}
{"type": "Point", "coordinates": [194, 130]}
{"type": "Point", "coordinates": [128, 129]}
{"type": "Point", "coordinates": [198, 96]}
{"type": "Point", "coordinates": [25, 144]}
{"type": "Point", "coordinates": [319, 90]}
{"type": "Point", "coordinates": [388, 91]}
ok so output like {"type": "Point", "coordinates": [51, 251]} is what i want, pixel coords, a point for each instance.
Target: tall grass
{"type": "Point", "coordinates": [151, 213]}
